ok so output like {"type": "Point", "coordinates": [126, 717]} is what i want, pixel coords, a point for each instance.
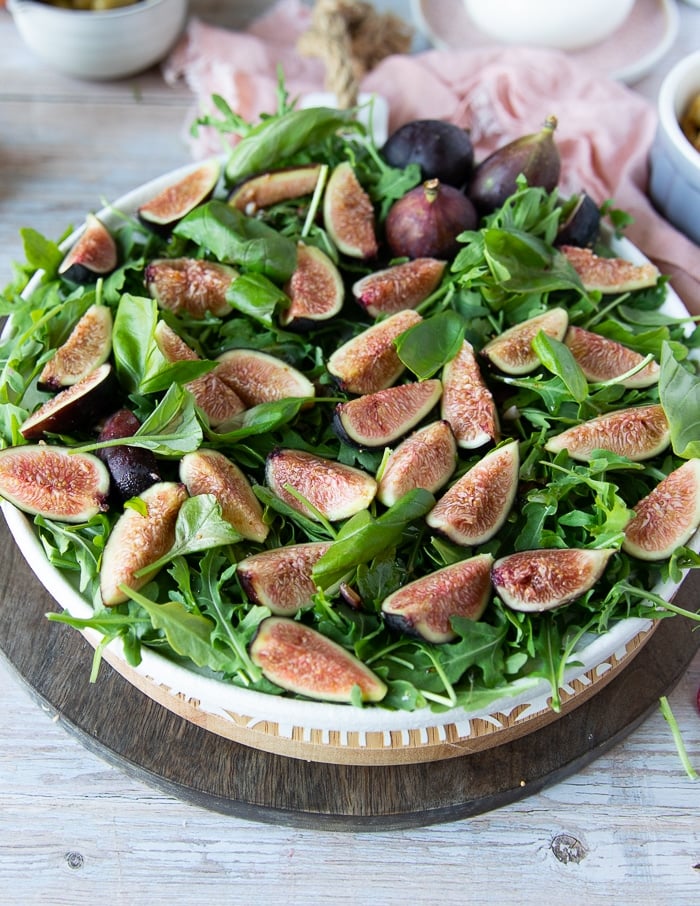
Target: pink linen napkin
{"type": "Point", "coordinates": [604, 134]}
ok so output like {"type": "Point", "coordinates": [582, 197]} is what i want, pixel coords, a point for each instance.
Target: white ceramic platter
{"type": "Point", "coordinates": [330, 732]}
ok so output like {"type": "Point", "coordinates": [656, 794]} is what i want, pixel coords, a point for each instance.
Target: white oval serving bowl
{"type": "Point", "coordinates": [549, 23]}
{"type": "Point", "coordinates": [102, 45]}
{"type": "Point", "coordinates": [674, 181]}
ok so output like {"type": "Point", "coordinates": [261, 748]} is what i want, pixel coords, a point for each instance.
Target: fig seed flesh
{"type": "Point", "coordinates": [138, 540]}
{"type": "Point", "coordinates": [270, 188]}
{"type": "Point", "coordinates": [258, 377]}
{"type": "Point", "coordinates": [638, 433]}
{"type": "Point", "coordinates": [369, 361]}
{"type": "Point", "coordinates": [53, 482]}
{"type": "Point", "coordinates": [476, 506]}
{"type": "Point", "coordinates": [301, 660]}
{"type": "Point", "coordinates": [315, 289]}
{"type": "Point", "coordinates": [539, 580]}
{"type": "Point", "coordinates": [511, 351]}
{"type": "Point", "coordinates": [602, 359]}
{"type": "Point", "coordinates": [667, 517]}
{"type": "Point", "coordinates": [87, 347]}
{"type": "Point", "coordinates": [171, 204]}
{"type": "Point", "coordinates": [467, 403]}
{"type": "Point", "coordinates": [281, 579]}
{"type": "Point", "coordinates": [210, 472]}
{"type": "Point", "coordinates": [609, 275]}
{"type": "Point", "coordinates": [337, 491]}
{"type": "Point", "coordinates": [399, 287]}
{"type": "Point", "coordinates": [93, 255]}
{"type": "Point", "coordinates": [378, 419]}
{"type": "Point", "coordinates": [190, 285]}
{"type": "Point", "coordinates": [78, 406]}
{"type": "Point", "coordinates": [425, 607]}
{"type": "Point", "coordinates": [426, 460]}
{"type": "Point", "coordinates": [348, 214]}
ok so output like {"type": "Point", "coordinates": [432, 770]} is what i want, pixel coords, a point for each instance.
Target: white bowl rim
{"type": "Point", "coordinates": [222, 698]}
{"type": "Point", "coordinates": [668, 116]}
{"type": "Point", "coordinates": [138, 6]}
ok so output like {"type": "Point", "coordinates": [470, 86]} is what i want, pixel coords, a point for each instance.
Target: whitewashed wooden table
{"type": "Point", "coordinates": [73, 829]}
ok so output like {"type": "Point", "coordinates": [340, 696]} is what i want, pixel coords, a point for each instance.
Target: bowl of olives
{"type": "Point", "coordinates": [674, 180]}
{"type": "Point", "coordinates": [99, 39]}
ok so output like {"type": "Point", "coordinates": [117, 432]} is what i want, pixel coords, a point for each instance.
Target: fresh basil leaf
{"type": "Point", "coordinates": [366, 538]}
{"type": "Point", "coordinates": [236, 239]}
{"type": "Point", "coordinates": [257, 296]}
{"type": "Point", "coordinates": [278, 138]}
{"type": "Point", "coordinates": [557, 358]}
{"type": "Point", "coordinates": [522, 262]}
{"type": "Point", "coordinates": [41, 253]}
{"type": "Point", "coordinates": [133, 348]}
{"type": "Point", "coordinates": [679, 393]}
{"type": "Point", "coordinates": [430, 344]}
{"type": "Point", "coordinates": [260, 419]}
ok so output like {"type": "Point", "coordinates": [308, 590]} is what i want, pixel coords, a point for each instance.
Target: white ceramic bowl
{"type": "Point", "coordinates": [674, 183]}
{"type": "Point", "coordinates": [560, 24]}
{"type": "Point", "coordinates": [100, 45]}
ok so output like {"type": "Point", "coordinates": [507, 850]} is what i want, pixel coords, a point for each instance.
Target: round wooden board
{"type": "Point", "coordinates": [139, 736]}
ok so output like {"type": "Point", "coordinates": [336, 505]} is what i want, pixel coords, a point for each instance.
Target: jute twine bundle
{"type": "Point", "coordinates": [351, 37]}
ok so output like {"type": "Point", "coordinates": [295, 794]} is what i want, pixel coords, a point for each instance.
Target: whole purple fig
{"type": "Point", "coordinates": [426, 222]}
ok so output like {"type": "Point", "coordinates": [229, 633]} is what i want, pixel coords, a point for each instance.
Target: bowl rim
{"type": "Point", "coordinates": [138, 6]}
{"type": "Point", "coordinates": [666, 106]}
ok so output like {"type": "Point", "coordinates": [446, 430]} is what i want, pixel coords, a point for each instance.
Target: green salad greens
{"type": "Point", "coordinates": [194, 611]}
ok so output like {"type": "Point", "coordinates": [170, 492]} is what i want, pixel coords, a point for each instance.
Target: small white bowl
{"type": "Point", "coordinates": [110, 44]}
{"type": "Point", "coordinates": [674, 183]}
{"type": "Point", "coordinates": [559, 24]}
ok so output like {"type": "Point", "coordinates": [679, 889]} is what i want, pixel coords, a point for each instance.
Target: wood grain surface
{"type": "Point", "coordinates": [75, 829]}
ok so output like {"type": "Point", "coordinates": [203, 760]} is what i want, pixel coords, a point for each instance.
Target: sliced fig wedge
{"type": "Point", "coordinates": [258, 377]}
{"type": "Point", "coordinates": [426, 460]}
{"type": "Point", "coordinates": [539, 580]}
{"type": "Point", "coordinates": [467, 403]}
{"type": "Point", "coordinates": [164, 210]}
{"type": "Point", "coordinates": [425, 607]}
{"type": "Point", "coordinates": [512, 353]}
{"type": "Point", "coordinates": [132, 469]}
{"type": "Point", "coordinates": [270, 188]}
{"type": "Point", "coordinates": [138, 540]}
{"type": "Point", "coordinates": [369, 362]}
{"type": "Point", "coordinates": [667, 517]}
{"type": "Point", "coordinates": [399, 287]}
{"type": "Point", "coordinates": [348, 214]}
{"type": "Point", "coordinates": [301, 660]}
{"type": "Point", "coordinates": [337, 491]}
{"type": "Point", "coordinates": [602, 359]}
{"type": "Point", "coordinates": [52, 482]}
{"type": "Point", "coordinates": [581, 224]}
{"type": "Point", "coordinates": [477, 505]}
{"type": "Point", "coordinates": [315, 289]}
{"type": "Point", "coordinates": [87, 347]}
{"type": "Point", "coordinates": [78, 406]}
{"type": "Point", "coordinates": [281, 578]}
{"type": "Point", "coordinates": [609, 275]}
{"type": "Point", "coordinates": [217, 400]}
{"type": "Point", "coordinates": [378, 419]}
{"type": "Point", "coordinates": [93, 255]}
{"type": "Point", "coordinates": [190, 286]}
{"type": "Point", "coordinates": [210, 472]}
{"type": "Point", "coordinates": [638, 433]}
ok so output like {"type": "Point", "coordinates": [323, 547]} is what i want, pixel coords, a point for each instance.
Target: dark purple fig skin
{"type": "Point", "coordinates": [534, 156]}
{"type": "Point", "coordinates": [582, 225]}
{"type": "Point", "coordinates": [131, 469]}
{"type": "Point", "coordinates": [442, 150]}
{"type": "Point", "coordinates": [425, 223]}
{"type": "Point", "coordinates": [79, 406]}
